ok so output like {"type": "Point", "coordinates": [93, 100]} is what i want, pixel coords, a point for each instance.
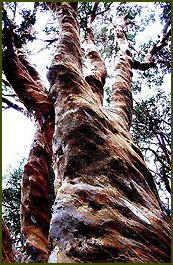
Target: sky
{"type": "Point", "coordinates": [18, 130]}
{"type": "Point", "coordinates": [17, 135]}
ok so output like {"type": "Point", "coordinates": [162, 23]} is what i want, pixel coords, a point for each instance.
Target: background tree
{"type": "Point", "coordinates": [11, 199]}
{"type": "Point", "coordinates": [152, 131]}
{"type": "Point", "coordinates": [99, 171]}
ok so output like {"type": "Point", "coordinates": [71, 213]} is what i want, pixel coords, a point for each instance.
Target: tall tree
{"type": "Point", "coordinates": [152, 132]}
{"type": "Point", "coordinates": [107, 207]}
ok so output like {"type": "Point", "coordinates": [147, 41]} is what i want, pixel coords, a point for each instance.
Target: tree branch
{"type": "Point", "coordinates": [6, 83]}
{"type": "Point", "coordinates": [9, 95]}
{"type": "Point", "coordinates": [50, 42]}
{"type": "Point", "coordinates": [97, 74]}
{"type": "Point", "coordinates": [16, 107]}
{"type": "Point", "coordinates": [154, 50]}
{"type": "Point", "coordinates": [157, 156]}
{"type": "Point", "coordinates": [26, 82]}
{"type": "Point", "coordinates": [142, 66]}
{"type": "Point", "coordinates": [93, 12]}
{"type": "Point", "coordinates": [165, 178]}
{"type": "Point", "coordinates": [12, 105]}
{"type": "Point", "coordinates": [102, 12]}
{"type": "Point", "coordinates": [7, 254]}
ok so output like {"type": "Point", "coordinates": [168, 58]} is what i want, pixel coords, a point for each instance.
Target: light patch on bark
{"type": "Point", "coordinates": [33, 219]}
{"type": "Point", "coordinates": [136, 211]}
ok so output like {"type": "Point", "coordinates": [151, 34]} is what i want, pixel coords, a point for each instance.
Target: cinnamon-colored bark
{"type": "Point", "coordinates": [7, 253]}
{"type": "Point", "coordinates": [97, 73]}
{"type": "Point", "coordinates": [96, 67]}
{"type": "Point", "coordinates": [35, 208]}
{"type": "Point", "coordinates": [106, 207]}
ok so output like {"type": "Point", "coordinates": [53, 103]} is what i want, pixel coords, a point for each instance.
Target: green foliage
{"type": "Point", "coordinates": [84, 10]}
{"type": "Point", "coordinates": [42, 6]}
{"type": "Point", "coordinates": [151, 130]}
{"type": "Point", "coordinates": [163, 59]}
{"type": "Point", "coordinates": [104, 38]}
{"type": "Point", "coordinates": [131, 13]}
{"type": "Point", "coordinates": [153, 77]}
{"type": "Point", "coordinates": [151, 116]}
{"type": "Point", "coordinates": [11, 199]}
{"type": "Point", "coordinates": [166, 11]}
{"type": "Point", "coordinates": [49, 29]}
{"type": "Point", "coordinates": [5, 85]}
{"type": "Point", "coordinates": [11, 7]}
{"type": "Point", "coordinates": [22, 31]}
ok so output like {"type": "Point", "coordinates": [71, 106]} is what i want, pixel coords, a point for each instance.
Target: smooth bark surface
{"type": "Point", "coordinates": [96, 67]}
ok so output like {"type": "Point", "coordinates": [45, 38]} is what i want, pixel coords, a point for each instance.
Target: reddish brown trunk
{"type": "Point", "coordinates": [96, 67]}
{"type": "Point", "coordinates": [35, 209]}
{"type": "Point", "coordinates": [106, 207]}
{"type": "Point", "coordinates": [7, 254]}
{"type": "Point", "coordinates": [35, 206]}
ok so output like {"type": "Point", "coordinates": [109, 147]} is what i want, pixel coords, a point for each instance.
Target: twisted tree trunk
{"type": "Point", "coordinates": [106, 208]}
{"type": "Point", "coordinates": [35, 208]}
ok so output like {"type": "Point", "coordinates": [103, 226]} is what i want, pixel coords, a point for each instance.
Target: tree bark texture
{"type": "Point", "coordinates": [96, 67]}
{"type": "Point", "coordinates": [35, 208]}
{"type": "Point", "coordinates": [7, 254]}
{"type": "Point", "coordinates": [106, 208]}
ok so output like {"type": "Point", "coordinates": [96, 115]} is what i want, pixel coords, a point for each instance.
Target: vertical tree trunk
{"type": "Point", "coordinates": [7, 254]}
{"type": "Point", "coordinates": [106, 207]}
{"type": "Point", "coordinates": [35, 208]}
{"type": "Point", "coordinates": [96, 67]}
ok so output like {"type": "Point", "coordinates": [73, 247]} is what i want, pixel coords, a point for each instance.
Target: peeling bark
{"type": "Point", "coordinates": [106, 207]}
{"type": "Point", "coordinates": [7, 253]}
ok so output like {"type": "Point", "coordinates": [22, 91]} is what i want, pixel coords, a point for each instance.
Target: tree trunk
{"type": "Point", "coordinates": [35, 208]}
{"type": "Point", "coordinates": [7, 254]}
{"type": "Point", "coordinates": [106, 208]}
